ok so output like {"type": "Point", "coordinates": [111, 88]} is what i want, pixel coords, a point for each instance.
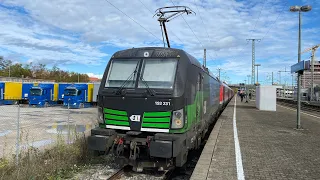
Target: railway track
{"type": "Point", "coordinates": [305, 106]}
{"type": "Point", "coordinates": [119, 173]}
{"type": "Point", "coordinates": [126, 172]}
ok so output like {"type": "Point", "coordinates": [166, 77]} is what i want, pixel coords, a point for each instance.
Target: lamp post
{"type": "Point", "coordinates": [257, 72]}
{"type": "Point", "coordinates": [299, 9]}
{"type": "Point", "coordinates": [292, 82]}
{"type": "Point", "coordinates": [247, 87]}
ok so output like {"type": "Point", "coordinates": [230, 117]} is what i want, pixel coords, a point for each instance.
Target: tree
{"type": "Point", "coordinates": [39, 71]}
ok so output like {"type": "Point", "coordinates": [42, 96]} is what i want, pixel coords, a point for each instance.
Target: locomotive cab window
{"type": "Point", "coordinates": [158, 73]}
{"type": "Point", "coordinates": [121, 71]}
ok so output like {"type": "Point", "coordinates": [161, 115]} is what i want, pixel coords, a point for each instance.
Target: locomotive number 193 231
{"type": "Point", "coordinates": [160, 103]}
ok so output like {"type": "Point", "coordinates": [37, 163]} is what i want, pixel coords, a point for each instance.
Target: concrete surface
{"type": "Point", "coordinates": [40, 127]}
{"type": "Point", "coordinates": [271, 147]}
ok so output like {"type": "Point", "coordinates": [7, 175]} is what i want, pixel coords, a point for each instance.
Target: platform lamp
{"type": "Point", "coordinates": [299, 9]}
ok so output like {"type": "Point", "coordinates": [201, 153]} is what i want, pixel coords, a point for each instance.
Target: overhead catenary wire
{"type": "Point", "coordinates": [258, 18]}
{"type": "Point", "coordinates": [134, 20]}
{"type": "Point", "coordinates": [272, 24]}
{"type": "Point", "coordinates": [193, 31]}
{"type": "Point", "coordinates": [204, 24]}
{"type": "Point", "coordinates": [190, 28]}
{"type": "Point", "coordinates": [255, 24]}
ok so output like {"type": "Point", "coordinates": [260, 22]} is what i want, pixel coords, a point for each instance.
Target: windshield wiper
{"type": "Point", "coordinates": [152, 93]}
{"type": "Point", "coordinates": [125, 82]}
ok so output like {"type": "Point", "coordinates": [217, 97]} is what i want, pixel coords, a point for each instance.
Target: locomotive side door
{"type": "Point", "coordinates": [199, 103]}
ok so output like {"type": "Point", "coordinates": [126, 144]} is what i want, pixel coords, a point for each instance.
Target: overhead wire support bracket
{"type": "Point", "coordinates": [171, 12]}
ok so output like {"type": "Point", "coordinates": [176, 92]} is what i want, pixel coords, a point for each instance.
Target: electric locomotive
{"type": "Point", "coordinates": [154, 105]}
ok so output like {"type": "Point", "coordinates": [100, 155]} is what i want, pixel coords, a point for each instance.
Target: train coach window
{"type": "Point", "coordinates": [158, 73]}
{"type": "Point", "coordinates": [120, 71]}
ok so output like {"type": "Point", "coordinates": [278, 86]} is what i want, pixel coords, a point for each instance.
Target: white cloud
{"type": "Point", "coordinates": [40, 44]}
{"type": "Point", "coordinates": [228, 24]}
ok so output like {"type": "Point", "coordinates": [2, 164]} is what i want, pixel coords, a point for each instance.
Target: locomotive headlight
{"type": "Point", "coordinates": [177, 121]}
{"type": "Point", "coordinates": [100, 115]}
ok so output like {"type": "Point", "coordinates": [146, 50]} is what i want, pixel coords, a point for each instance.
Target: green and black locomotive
{"type": "Point", "coordinates": [154, 105]}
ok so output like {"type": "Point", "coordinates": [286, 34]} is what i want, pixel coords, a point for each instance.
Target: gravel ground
{"type": "Point", "coordinates": [107, 167]}
{"type": "Point", "coordinates": [98, 171]}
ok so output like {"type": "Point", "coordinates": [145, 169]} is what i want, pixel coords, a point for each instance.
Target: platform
{"type": "Point", "coordinates": [260, 145]}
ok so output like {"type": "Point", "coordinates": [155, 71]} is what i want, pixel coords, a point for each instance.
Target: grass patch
{"type": "Point", "coordinates": [58, 162]}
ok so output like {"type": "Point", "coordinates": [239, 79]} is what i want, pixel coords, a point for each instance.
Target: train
{"type": "Point", "coordinates": [44, 94]}
{"type": "Point", "coordinates": [154, 106]}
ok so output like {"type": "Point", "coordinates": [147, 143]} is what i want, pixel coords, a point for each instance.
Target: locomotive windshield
{"type": "Point", "coordinates": [70, 92]}
{"type": "Point", "coordinates": [120, 71]}
{"type": "Point", "coordinates": [158, 73]}
{"type": "Point", "coordinates": [35, 92]}
{"type": "Point", "coordinates": [155, 73]}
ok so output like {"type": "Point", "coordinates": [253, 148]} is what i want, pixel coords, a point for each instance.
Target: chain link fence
{"type": "Point", "coordinates": [23, 127]}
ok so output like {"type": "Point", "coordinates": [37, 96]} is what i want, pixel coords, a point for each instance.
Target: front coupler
{"type": "Point", "coordinates": [160, 150]}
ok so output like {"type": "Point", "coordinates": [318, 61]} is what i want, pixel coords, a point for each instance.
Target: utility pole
{"type": "Point", "coordinates": [292, 81]}
{"type": "Point", "coordinates": [253, 59]}
{"type": "Point", "coordinates": [205, 58]}
{"type": "Point", "coordinates": [314, 48]}
{"type": "Point", "coordinates": [272, 79]}
{"type": "Point", "coordinates": [219, 73]}
{"type": "Point", "coordinates": [247, 89]}
{"type": "Point", "coordinates": [285, 70]}
{"type": "Point", "coordinates": [257, 72]}
{"type": "Point", "coordinates": [78, 77]}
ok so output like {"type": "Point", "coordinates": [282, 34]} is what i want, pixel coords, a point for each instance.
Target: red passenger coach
{"type": "Point", "coordinates": [221, 94]}
{"type": "Point", "coordinates": [226, 94]}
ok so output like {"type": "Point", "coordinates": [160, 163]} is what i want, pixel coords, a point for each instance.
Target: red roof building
{"type": "Point", "coordinates": [94, 79]}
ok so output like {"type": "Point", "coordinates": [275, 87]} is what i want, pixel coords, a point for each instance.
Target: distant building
{"type": "Point", "coordinates": [94, 79]}
{"type": "Point", "coordinates": [306, 77]}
